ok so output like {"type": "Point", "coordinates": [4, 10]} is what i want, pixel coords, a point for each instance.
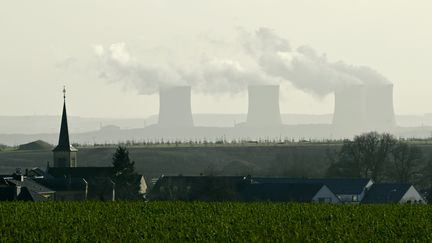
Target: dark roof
{"type": "Point", "coordinates": [63, 184]}
{"type": "Point", "coordinates": [3, 179]}
{"type": "Point", "coordinates": [29, 195]}
{"type": "Point", "coordinates": [36, 171]}
{"type": "Point", "coordinates": [339, 186]}
{"type": "Point", "coordinates": [64, 143]}
{"type": "Point", "coordinates": [81, 172]}
{"type": "Point", "coordinates": [386, 193]}
{"type": "Point", "coordinates": [281, 192]}
{"type": "Point", "coordinates": [201, 178]}
{"type": "Point", "coordinates": [6, 193]}
{"type": "Point", "coordinates": [31, 185]}
{"type": "Point", "coordinates": [207, 188]}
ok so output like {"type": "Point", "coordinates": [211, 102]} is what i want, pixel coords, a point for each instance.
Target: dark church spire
{"type": "Point", "coordinates": [64, 143]}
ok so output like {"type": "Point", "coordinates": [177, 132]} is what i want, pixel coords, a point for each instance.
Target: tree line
{"type": "Point", "coordinates": [380, 157]}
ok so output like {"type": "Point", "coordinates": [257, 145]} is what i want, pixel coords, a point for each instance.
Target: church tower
{"type": "Point", "coordinates": [65, 155]}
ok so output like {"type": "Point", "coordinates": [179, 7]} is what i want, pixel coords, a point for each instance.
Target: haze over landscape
{"type": "Point", "coordinates": [220, 121]}
{"type": "Point", "coordinates": [100, 59]}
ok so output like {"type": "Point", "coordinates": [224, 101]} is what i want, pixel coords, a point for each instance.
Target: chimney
{"type": "Point", "coordinates": [349, 110]}
{"type": "Point", "coordinates": [175, 107]}
{"type": "Point", "coordinates": [263, 109]}
{"type": "Point", "coordinates": [17, 191]}
{"type": "Point", "coordinates": [379, 107]}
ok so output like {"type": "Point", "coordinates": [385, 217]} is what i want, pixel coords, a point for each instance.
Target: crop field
{"type": "Point", "coordinates": [215, 222]}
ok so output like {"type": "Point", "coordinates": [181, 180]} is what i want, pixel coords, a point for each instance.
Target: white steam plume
{"type": "Point", "coordinates": [216, 75]}
{"type": "Point", "coordinates": [304, 67]}
{"type": "Point", "coordinates": [117, 65]}
{"type": "Point", "coordinates": [263, 58]}
{"type": "Point", "coordinates": [204, 74]}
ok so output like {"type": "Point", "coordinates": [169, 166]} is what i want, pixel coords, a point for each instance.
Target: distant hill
{"type": "Point", "coordinates": [36, 145]}
{"type": "Point", "coordinates": [2, 147]}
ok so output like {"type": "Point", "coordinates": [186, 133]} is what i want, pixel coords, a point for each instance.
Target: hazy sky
{"type": "Point", "coordinates": [45, 44]}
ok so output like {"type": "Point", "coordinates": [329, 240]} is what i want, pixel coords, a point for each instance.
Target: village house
{"type": "Point", "coordinates": [280, 189]}
{"type": "Point", "coordinates": [203, 188]}
{"type": "Point", "coordinates": [19, 187]}
{"type": "Point", "coordinates": [348, 190]}
{"type": "Point", "coordinates": [289, 192]}
{"type": "Point", "coordinates": [393, 193]}
{"type": "Point", "coordinates": [237, 188]}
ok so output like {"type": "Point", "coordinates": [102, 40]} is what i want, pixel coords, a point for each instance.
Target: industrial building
{"type": "Point", "coordinates": [175, 107]}
{"type": "Point", "coordinates": [263, 107]}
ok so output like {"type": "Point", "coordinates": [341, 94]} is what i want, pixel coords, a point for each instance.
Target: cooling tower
{"type": "Point", "coordinates": [349, 109]}
{"type": "Point", "coordinates": [263, 109]}
{"type": "Point", "coordinates": [175, 107]}
{"type": "Point", "coordinates": [379, 107]}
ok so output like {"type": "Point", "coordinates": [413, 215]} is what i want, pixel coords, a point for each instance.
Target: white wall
{"type": "Point", "coordinates": [328, 195]}
{"type": "Point", "coordinates": [412, 195]}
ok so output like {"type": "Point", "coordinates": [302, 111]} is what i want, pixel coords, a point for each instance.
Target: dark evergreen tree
{"type": "Point", "coordinates": [125, 177]}
{"type": "Point", "coordinates": [123, 166]}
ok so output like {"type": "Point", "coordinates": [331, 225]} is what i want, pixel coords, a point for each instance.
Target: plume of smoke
{"type": "Point", "coordinates": [206, 75]}
{"type": "Point", "coordinates": [304, 67]}
{"type": "Point", "coordinates": [368, 75]}
{"type": "Point", "coordinates": [264, 40]}
{"type": "Point", "coordinates": [117, 65]}
{"type": "Point", "coordinates": [266, 59]}
{"type": "Point", "coordinates": [216, 75]}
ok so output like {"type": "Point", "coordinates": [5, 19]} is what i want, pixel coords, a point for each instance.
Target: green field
{"type": "Point", "coordinates": [189, 160]}
{"type": "Point", "coordinates": [295, 160]}
{"type": "Point", "coordinates": [217, 222]}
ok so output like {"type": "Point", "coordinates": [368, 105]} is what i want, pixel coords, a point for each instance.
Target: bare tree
{"type": "Point", "coordinates": [365, 156]}
{"type": "Point", "coordinates": [404, 160]}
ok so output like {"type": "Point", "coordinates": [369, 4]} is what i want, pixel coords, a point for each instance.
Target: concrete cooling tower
{"type": "Point", "coordinates": [175, 107]}
{"type": "Point", "coordinates": [263, 110]}
{"type": "Point", "coordinates": [379, 107]}
{"type": "Point", "coordinates": [349, 110]}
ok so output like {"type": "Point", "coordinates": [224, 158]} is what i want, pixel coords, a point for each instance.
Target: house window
{"type": "Point", "coordinates": [324, 200]}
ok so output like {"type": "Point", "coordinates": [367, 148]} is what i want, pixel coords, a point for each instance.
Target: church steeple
{"type": "Point", "coordinates": [64, 152]}
{"type": "Point", "coordinates": [64, 143]}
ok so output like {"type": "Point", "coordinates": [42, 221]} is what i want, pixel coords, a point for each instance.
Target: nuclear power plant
{"type": "Point", "coordinates": [360, 108]}
{"type": "Point", "coordinates": [379, 107]}
{"type": "Point", "coordinates": [263, 108]}
{"type": "Point", "coordinates": [349, 109]}
{"type": "Point", "coordinates": [175, 107]}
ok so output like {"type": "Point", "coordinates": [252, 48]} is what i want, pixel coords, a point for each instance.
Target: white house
{"type": "Point", "coordinates": [393, 193]}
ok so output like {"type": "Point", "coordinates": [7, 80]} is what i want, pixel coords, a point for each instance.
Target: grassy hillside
{"type": "Point", "coordinates": [154, 161]}
{"type": "Point", "coordinates": [36, 145]}
{"type": "Point", "coordinates": [310, 160]}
